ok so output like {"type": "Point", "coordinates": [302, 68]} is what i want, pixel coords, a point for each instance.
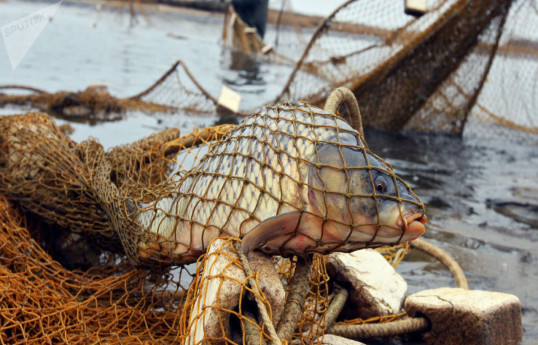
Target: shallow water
{"type": "Point", "coordinates": [481, 195]}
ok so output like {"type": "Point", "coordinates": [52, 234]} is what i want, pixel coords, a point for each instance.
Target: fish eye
{"type": "Point", "coordinates": [381, 184]}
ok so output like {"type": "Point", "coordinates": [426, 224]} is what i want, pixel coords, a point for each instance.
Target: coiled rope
{"type": "Point", "coordinates": [445, 259]}
{"type": "Point", "coordinates": [375, 330]}
{"type": "Point", "coordinates": [408, 325]}
{"type": "Point", "coordinates": [343, 102]}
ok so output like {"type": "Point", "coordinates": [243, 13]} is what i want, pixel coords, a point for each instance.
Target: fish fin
{"type": "Point", "coordinates": [276, 226]}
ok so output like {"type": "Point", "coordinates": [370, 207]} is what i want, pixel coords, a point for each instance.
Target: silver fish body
{"type": "Point", "coordinates": [291, 179]}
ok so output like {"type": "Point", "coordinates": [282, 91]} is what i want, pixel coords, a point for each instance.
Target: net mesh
{"type": "Point", "coordinates": [461, 63]}
{"type": "Point", "coordinates": [401, 67]}
{"type": "Point", "coordinates": [74, 227]}
{"type": "Point", "coordinates": [43, 302]}
{"type": "Point", "coordinates": [210, 314]}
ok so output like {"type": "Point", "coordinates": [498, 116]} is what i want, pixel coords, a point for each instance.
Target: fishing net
{"type": "Point", "coordinates": [94, 104]}
{"type": "Point", "coordinates": [402, 68]}
{"type": "Point", "coordinates": [43, 302]}
{"type": "Point", "coordinates": [220, 310]}
{"type": "Point", "coordinates": [176, 90]}
{"type": "Point", "coordinates": [463, 64]}
{"type": "Point", "coordinates": [74, 227]}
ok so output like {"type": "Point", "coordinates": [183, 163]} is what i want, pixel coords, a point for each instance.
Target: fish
{"type": "Point", "coordinates": [291, 179]}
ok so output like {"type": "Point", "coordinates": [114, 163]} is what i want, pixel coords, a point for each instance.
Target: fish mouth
{"type": "Point", "coordinates": [412, 225]}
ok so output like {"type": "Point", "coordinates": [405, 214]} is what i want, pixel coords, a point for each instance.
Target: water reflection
{"type": "Point", "coordinates": [247, 68]}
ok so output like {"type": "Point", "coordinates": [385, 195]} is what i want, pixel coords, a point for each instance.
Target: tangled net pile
{"type": "Point", "coordinates": [96, 104]}
{"type": "Point", "coordinates": [70, 239]}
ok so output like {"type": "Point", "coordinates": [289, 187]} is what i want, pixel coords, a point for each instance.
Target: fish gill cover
{"type": "Point", "coordinates": [291, 179]}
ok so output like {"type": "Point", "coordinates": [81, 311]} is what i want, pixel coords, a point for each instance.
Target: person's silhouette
{"type": "Point", "coordinates": [253, 13]}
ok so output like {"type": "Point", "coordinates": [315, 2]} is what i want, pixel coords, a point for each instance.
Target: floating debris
{"type": "Point", "coordinates": [95, 104]}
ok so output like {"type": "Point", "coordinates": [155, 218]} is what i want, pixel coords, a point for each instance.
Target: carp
{"type": "Point", "coordinates": [292, 179]}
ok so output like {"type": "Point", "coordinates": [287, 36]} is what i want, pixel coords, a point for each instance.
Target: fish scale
{"type": "Point", "coordinates": [269, 171]}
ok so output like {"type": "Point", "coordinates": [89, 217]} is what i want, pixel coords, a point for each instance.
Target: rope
{"type": "Point", "coordinates": [445, 259]}
{"type": "Point", "coordinates": [342, 101]}
{"type": "Point", "coordinates": [22, 87]}
{"type": "Point", "coordinates": [394, 328]}
{"type": "Point", "coordinates": [295, 301]}
{"type": "Point", "coordinates": [336, 306]}
{"type": "Point", "coordinates": [261, 306]}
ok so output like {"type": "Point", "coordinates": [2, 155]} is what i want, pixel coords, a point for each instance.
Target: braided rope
{"type": "Point", "coordinates": [295, 301]}
{"type": "Point", "coordinates": [336, 306]}
{"type": "Point", "coordinates": [409, 325]}
{"type": "Point", "coordinates": [261, 306]}
{"type": "Point", "coordinates": [445, 259]}
{"type": "Point", "coordinates": [342, 101]}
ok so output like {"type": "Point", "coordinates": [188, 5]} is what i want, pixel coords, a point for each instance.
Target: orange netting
{"type": "Point", "coordinates": [43, 303]}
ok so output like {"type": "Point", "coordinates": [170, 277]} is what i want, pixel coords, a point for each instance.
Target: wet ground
{"type": "Point", "coordinates": [481, 194]}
